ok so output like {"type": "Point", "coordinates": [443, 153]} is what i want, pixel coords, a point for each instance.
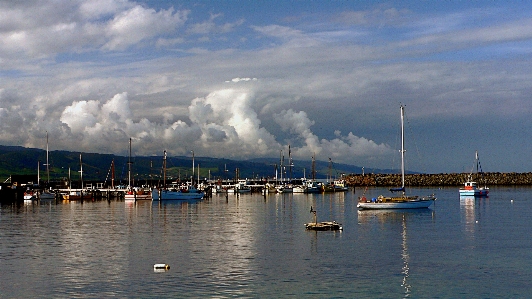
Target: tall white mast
{"type": "Point", "coordinates": [193, 173]}
{"type": "Point", "coordinates": [402, 149]}
{"type": "Point", "coordinates": [81, 171]}
{"type": "Point", "coordinates": [129, 165]}
{"type": "Point", "coordinates": [47, 167]}
{"type": "Point", "coordinates": [164, 170]}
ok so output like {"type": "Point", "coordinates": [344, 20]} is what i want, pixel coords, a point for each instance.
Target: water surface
{"type": "Point", "coordinates": [253, 246]}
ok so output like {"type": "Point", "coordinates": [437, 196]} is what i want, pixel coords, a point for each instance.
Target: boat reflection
{"type": "Point", "coordinates": [396, 217]}
{"type": "Point", "coordinates": [406, 258]}
{"type": "Point", "coordinates": [468, 215]}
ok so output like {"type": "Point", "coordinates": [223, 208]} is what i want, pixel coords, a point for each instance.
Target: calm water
{"type": "Point", "coordinates": [256, 247]}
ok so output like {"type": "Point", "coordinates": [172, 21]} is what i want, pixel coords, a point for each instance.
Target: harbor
{"type": "Point", "coordinates": [98, 190]}
{"type": "Point", "coordinates": [253, 246]}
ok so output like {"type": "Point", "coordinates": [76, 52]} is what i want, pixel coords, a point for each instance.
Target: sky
{"type": "Point", "coordinates": [248, 79]}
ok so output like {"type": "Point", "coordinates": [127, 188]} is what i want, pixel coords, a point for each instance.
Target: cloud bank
{"type": "Point", "coordinates": [225, 82]}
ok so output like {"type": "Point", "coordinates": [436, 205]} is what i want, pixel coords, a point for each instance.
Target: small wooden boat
{"type": "Point", "coordinates": [326, 225]}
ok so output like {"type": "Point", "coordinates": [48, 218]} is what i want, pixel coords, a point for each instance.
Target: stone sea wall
{"type": "Point", "coordinates": [441, 179]}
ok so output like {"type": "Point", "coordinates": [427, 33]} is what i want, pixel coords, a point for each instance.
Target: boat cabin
{"type": "Point", "coordinates": [470, 185]}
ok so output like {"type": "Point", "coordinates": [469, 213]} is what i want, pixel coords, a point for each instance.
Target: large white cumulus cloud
{"type": "Point", "coordinates": [222, 124]}
{"type": "Point", "coordinates": [338, 148]}
{"type": "Point", "coordinates": [226, 118]}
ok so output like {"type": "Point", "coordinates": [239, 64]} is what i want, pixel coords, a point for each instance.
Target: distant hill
{"type": "Point", "coordinates": [24, 161]}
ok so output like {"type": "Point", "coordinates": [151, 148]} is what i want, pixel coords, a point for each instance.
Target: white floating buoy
{"type": "Point", "coordinates": [161, 267]}
{"type": "Point", "coordinates": [512, 200]}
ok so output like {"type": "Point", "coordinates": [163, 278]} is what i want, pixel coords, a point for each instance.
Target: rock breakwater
{"type": "Point", "coordinates": [441, 179]}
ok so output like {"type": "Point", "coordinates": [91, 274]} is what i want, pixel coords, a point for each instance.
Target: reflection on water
{"type": "Point", "coordinates": [396, 222]}
{"type": "Point", "coordinates": [255, 246]}
{"type": "Point", "coordinates": [467, 208]}
{"type": "Point", "coordinates": [405, 256]}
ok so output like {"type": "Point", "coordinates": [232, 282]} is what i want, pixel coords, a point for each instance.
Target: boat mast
{"type": "Point", "coordinates": [193, 173]}
{"type": "Point", "coordinates": [313, 167]}
{"type": "Point", "coordinates": [129, 165]}
{"type": "Point", "coordinates": [80, 170]}
{"type": "Point", "coordinates": [476, 162]}
{"type": "Point", "coordinates": [402, 149]}
{"type": "Point", "coordinates": [329, 179]}
{"type": "Point", "coordinates": [164, 170]}
{"type": "Point", "coordinates": [281, 165]}
{"type": "Point", "coordinates": [47, 167]}
{"type": "Point", "coordinates": [291, 163]}
{"type": "Point", "coordinates": [113, 173]}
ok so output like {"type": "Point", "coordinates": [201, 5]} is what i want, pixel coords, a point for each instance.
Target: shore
{"type": "Point", "coordinates": [440, 179]}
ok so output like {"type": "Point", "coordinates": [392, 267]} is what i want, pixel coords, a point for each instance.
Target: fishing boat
{"type": "Point", "coordinates": [190, 193]}
{"type": "Point", "coordinates": [402, 201]}
{"type": "Point", "coordinates": [326, 225]}
{"type": "Point", "coordinates": [138, 194]}
{"type": "Point", "coordinates": [312, 186]}
{"type": "Point", "coordinates": [134, 193]}
{"type": "Point", "coordinates": [470, 187]}
{"type": "Point", "coordinates": [29, 195]}
{"type": "Point", "coordinates": [336, 185]}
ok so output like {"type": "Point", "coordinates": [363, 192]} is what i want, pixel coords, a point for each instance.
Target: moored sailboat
{"type": "Point", "coordinates": [134, 193]}
{"type": "Point", "coordinates": [176, 194]}
{"type": "Point", "coordinates": [47, 194]}
{"type": "Point", "coordinates": [398, 202]}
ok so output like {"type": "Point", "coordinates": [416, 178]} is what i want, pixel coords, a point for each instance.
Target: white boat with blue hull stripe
{"type": "Point", "coordinates": [397, 202]}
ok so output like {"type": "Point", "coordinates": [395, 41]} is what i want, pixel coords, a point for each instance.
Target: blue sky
{"type": "Point", "coordinates": [245, 79]}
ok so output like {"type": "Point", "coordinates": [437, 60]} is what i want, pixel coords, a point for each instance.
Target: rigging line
{"type": "Point", "coordinates": [109, 172]}
{"type": "Point", "coordinates": [412, 136]}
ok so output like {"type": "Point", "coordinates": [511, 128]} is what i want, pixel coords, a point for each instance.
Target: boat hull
{"type": "Point", "coordinates": [322, 226]}
{"type": "Point", "coordinates": [46, 196]}
{"type": "Point", "coordinates": [414, 204]}
{"type": "Point", "coordinates": [138, 195]}
{"type": "Point", "coordinates": [475, 192]}
{"type": "Point", "coordinates": [175, 195]}
{"type": "Point", "coordinates": [76, 197]}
